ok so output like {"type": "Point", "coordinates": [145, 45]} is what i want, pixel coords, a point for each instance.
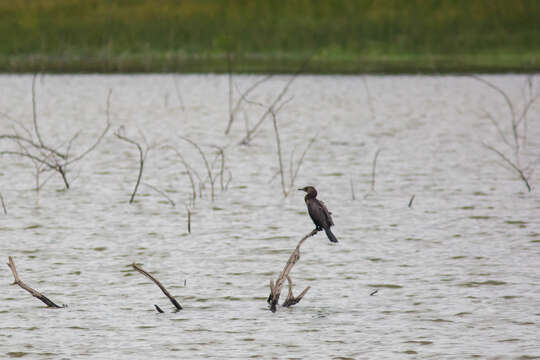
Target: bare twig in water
{"type": "Point", "coordinates": [142, 156]}
{"type": "Point", "coordinates": [158, 309]}
{"type": "Point", "coordinates": [189, 221]}
{"type": "Point", "coordinates": [156, 281]}
{"type": "Point", "coordinates": [293, 169]}
{"type": "Point", "coordinates": [162, 193]}
{"type": "Point", "coordinates": [296, 169]}
{"type": "Point", "coordinates": [280, 158]}
{"type": "Point", "coordinates": [369, 98]}
{"type": "Point", "coordinates": [373, 292]}
{"type": "Point", "coordinates": [178, 94]}
{"type": "Point", "coordinates": [189, 172]}
{"type": "Point", "coordinates": [373, 168]}
{"type": "Point", "coordinates": [236, 108]}
{"type": "Point", "coordinates": [3, 204]}
{"type": "Point", "coordinates": [272, 107]}
{"type": "Point", "coordinates": [352, 189]}
{"type": "Point", "coordinates": [43, 156]}
{"type": "Point", "coordinates": [211, 178]}
{"type": "Point", "coordinates": [34, 112]}
{"type": "Point", "coordinates": [275, 289]}
{"type": "Point", "coordinates": [34, 293]}
{"type": "Point", "coordinates": [512, 165]}
{"type": "Point", "coordinates": [411, 200]}
{"type": "Point", "coordinates": [231, 93]}
{"type": "Point", "coordinates": [221, 155]}
{"type": "Point", "coordinates": [517, 141]}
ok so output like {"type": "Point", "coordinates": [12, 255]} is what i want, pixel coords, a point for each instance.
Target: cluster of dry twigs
{"type": "Point", "coordinates": [512, 135]}
{"type": "Point", "coordinates": [32, 145]}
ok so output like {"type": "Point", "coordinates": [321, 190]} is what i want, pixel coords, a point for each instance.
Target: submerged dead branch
{"type": "Point", "coordinates": [373, 168]}
{"type": "Point", "coordinates": [212, 173]}
{"type": "Point", "coordinates": [411, 200]}
{"type": "Point", "coordinates": [514, 166]}
{"type": "Point", "coordinates": [34, 293]}
{"type": "Point", "coordinates": [269, 111]}
{"type": "Point", "coordinates": [3, 204]}
{"type": "Point", "coordinates": [162, 193]}
{"type": "Point", "coordinates": [32, 145]}
{"type": "Point", "coordinates": [189, 172]}
{"type": "Point", "coordinates": [234, 110]}
{"type": "Point", "coordinates": [142, 156]}
{"type": "Point", "coordinates": [211, 178]}
{"type": "Point", "coordinates": [516, 141]}
{"type": "Point", "coordinates": [369, 98]}
{"type": "Point", "coordinates": [294, 169]}
{"type": "Point", "coordinates": [275, 289]}
{"type": "Point", "coordinates": [156, 281]}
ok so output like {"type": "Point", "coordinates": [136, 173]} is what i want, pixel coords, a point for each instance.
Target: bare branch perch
{"type": "Point", "coordinates": [275, 289]}
{"type": "Point", "coordinates": [156, 281]}
{"type": "Point", "coordinates": [291, 299]}
{"type": "Point", "coordinates": [34, 293]}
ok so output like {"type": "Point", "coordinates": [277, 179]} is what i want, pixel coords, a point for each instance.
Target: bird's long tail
{"type": "Point", "coordinates": [331, 236]}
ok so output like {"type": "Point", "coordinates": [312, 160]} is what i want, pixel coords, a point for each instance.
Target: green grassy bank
{"type": "Point", "coordinates": [338, 36]}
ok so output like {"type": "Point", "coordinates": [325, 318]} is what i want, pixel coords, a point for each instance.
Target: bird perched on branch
{"type": "Point", "coordinates": [318, 212]}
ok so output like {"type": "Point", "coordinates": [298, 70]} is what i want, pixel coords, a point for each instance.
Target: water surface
{"type": "Point", "coordinates": [457, 273]}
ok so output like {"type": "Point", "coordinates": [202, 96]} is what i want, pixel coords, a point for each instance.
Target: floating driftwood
{"type": "Point", "coordinates": [275, 289]}
{"type": "Point", "coordinates": [34, 293]}
{"type": "Point", "coordinates": [156, 281]}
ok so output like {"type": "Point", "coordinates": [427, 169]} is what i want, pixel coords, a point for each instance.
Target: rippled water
{"type": "Point", "coordinates": [457, 273]}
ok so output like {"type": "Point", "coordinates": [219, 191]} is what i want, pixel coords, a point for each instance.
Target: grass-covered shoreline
{"type": "Point", "coordinates": [286, 63]}
{"type": "Point", "coordinates": [338, 36]}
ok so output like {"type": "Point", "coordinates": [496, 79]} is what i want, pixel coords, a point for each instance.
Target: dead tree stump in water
{"type": "Point", "coordinates": [275, 289]}
{"type": "Point", "coordinates": [34, 293]}
{"type": "Point", "coordinates": [156, 281]}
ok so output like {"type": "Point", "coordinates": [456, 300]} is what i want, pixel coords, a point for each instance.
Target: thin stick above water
{"type": "Point", "coordinates": [34, 293]}
{"type": "Point", "coordinates": [373, 167]}
{"type": "Point", "coordinates": [156, 281]}
{"type": "Point", "coordinates": [3, 204]}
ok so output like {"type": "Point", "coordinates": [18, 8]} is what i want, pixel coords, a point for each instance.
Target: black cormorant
{"type": "Point", "coordinates": [318, 212]}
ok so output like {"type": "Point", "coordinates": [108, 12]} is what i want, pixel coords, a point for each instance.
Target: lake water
{"type": "Point", "coordinates": [457, 273]}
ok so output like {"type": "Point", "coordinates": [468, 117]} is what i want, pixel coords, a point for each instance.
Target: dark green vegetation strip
{"type": "Point", "coordinates": [340, 36]}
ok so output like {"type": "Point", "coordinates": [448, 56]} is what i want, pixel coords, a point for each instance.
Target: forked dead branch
{"type": "Point", "coordinates": [34, 293]}
{"type": "Point", "coordinates": [33, 145]}
{"type": "Point", "coordinates": [275, 288]}
{"type": "Point", "coordinates": [513, 136]}
{"type": "Point", "coordinates": [156, 281]}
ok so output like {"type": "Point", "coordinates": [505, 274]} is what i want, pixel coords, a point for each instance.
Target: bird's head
{"type": "Point", "coordinates": [310, 190]}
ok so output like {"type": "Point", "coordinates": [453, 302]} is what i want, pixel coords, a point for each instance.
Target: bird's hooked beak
{"type": "Point", "coordinates": [303, 189]}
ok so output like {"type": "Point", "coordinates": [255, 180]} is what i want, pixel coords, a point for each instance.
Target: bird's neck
{"type": "Point", "coordinates": [310, 196]}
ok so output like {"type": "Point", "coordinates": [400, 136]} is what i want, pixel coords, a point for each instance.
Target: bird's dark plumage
{"type": "Point", "coordinates": [318, 212]}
